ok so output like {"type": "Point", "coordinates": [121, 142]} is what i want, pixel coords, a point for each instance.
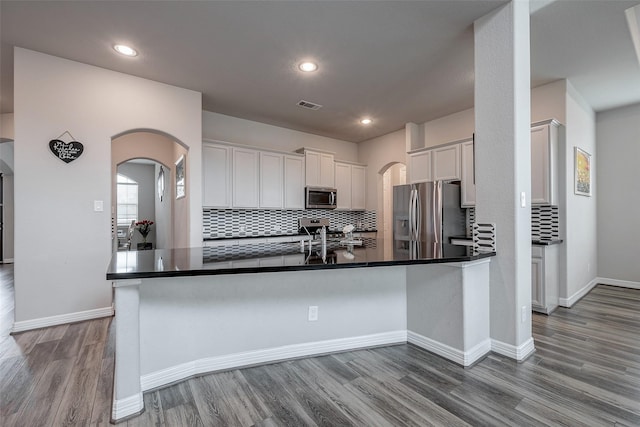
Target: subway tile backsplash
{"type": "Point", "coordinates": [219, 223]}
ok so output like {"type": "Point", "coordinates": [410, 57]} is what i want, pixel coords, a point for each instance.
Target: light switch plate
{"type": "Point", "coordinates": [98, 205]}
{"type": "Point", "coordinates": [523, 200]}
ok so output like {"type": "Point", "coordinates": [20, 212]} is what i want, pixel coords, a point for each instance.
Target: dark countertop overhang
{"type": "Point", "coordinates": [273, 257]}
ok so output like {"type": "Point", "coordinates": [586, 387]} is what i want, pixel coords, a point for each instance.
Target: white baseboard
{"type": "Point", "coordinates": [518, 353]}
{"type": "Point", "coordinates": [464, 358]}
{"type": "Point", "coordinates": [620, 283]}
{"type": "Point", "coordinates": [568, 302]}
{"type": "Point", "coordinates": [249, 358]}
{"type": "Point", "coordinates": [61, 319]}
{"type": "Point", "coordinates": [126, 407]}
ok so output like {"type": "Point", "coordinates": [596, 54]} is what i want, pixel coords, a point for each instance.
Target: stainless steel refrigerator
{"type": "Point", "coordinates": [425, 216]}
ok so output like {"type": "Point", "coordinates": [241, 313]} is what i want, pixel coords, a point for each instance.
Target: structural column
{"type": "Point", "coordinates": [503, 168]}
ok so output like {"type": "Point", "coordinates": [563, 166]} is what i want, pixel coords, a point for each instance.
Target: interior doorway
{"type": "Point", "coordinates": [143, 168]}
{"type": "Point", "coordinates": [395, 174]}
{"type": "Point", "coordinates": [6, 201]}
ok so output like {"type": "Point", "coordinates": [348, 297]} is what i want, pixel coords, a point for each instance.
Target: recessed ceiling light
{"type": "Point", "coordinates": [366, 121]}
{"type": "Point", "coordinates": [308, 67]}
{"type": "Point", "coordinates": [125, 50]}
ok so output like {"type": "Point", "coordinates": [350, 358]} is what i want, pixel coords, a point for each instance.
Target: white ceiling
{"type": "Point", "coordinates": [396, 61]}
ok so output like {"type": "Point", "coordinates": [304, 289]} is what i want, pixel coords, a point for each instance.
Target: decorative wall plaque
{"type": "Point", "coordinates": [66, 151]}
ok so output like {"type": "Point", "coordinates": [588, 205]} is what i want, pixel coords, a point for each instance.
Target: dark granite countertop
{"type": "Point", "coordinates": [547, 242]}
{"type": "Point", "coordinates": [272, 257]}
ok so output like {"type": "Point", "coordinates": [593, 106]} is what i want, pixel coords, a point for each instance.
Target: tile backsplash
{"type": "Point", "coordinates": [218, 223]}
{"type": "Point", "coordinates": [544, 222]}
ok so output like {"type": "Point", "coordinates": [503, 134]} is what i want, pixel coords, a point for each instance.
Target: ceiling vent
{"type": "Point", "coordinates": [309, 105]}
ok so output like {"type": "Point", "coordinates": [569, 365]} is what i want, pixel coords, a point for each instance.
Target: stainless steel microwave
{"type": "Point", "coordinates": [320, 198]}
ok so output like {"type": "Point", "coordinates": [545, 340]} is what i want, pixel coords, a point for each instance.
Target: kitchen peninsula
{"type": "Point", "coordinates": [185, 312]}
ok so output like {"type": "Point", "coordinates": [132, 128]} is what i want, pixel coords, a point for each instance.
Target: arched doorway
{"type": "Point", "coordinates": [6, 200]}
{"type": "Point", "coordinates": [151, 156]}
{"type": "Point", "coordinates": [392, 174]}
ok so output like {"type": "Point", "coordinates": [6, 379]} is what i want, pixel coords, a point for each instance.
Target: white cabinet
{"type": "Point", "coordinates": [358, 187]}
{"type": "Point", "coordinates": [350, 183]}
{"type": "Point", "coordinates": [319, 169]}
{"type": "Point", "coordinates": [216, 171]}
{"type": "Point", "coordinates": [544, 155]}
{"type": "Point", "coordinates": [271, 180]}
{"type": "Point", "coordinates": [446, 163]}
{"type": "Point", "coordinates": [544, 278]}
{"type": "Point", "coordinates": [293, 182]}
{"type": "Point", "coordinates": [343, 185]}
{"type": "Point", "coordinates": [467, 178]}
{"type": "Point", "coordinates": [420, 166]}
{"type": "Point", "coordinates": [245, 178]}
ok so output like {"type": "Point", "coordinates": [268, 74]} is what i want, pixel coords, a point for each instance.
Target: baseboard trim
{"type": "Point", "coordinates": [61, 319]}
{"type": "Point", "coordinates": [464, 358]}
{"type": "Point", "coordinates": [238, 360]}
{"type": "Point", "coordinates": [620, 283]}
{"type": "Point", "coordinates": [569, 302]}
{"type": "Point", "coordinates": [127, 407]}
{"type": "Point", "coordinates": [519, 353]}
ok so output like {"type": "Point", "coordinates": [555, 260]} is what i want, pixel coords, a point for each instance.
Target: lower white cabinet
{"type": "Point", "coordinates": [544, 278]}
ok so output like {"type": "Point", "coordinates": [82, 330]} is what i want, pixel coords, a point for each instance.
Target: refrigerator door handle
{"type": "Point", "coordinates": [418, 219]}
{"type": "Point", "coordinates": [410, 222]}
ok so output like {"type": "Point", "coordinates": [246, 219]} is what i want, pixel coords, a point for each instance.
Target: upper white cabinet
{"type": "Point", "coordinates": [271, 180]}
{"type": "Point", "coordinates": [358, 187]}
{"type": "Point", "coordinates": [245, 178]}
{"type": "Point", "coordinates": [420, 166]}
{"type": "Point", "coordinates": [293, 182]}
{"type": "Point", "coordinates": [467, 178]}
{"type": "Point", "coordinates": [446, 163]}
{"type": "Point", "coordinates": [544, 155]}
{"type": "Point", "coordinates": [350, 185]}
{"type": "Point", "coordinates": [216, 171]}
{"type": "Point", "coordinates": [343, 185]}
{"type": "Point", "coordinates": [319, 169]}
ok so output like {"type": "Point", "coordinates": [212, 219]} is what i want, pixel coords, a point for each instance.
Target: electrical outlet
{"type": "Point", "coordinates": [313, 313]}
{"type": "Point", "coordinates": [523, 314]}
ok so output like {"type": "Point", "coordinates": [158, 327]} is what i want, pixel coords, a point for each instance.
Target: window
{"type": "Point", "coordinates": [127, 200]}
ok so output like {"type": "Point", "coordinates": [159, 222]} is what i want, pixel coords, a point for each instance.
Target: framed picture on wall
{"type": "Point", "coordinates": [582, 165]}
{"type": "Point", "coordinates": [181, 181]}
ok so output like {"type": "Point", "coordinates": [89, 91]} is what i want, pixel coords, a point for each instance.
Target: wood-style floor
{"type": "Point", "coordinates": [585, 372]}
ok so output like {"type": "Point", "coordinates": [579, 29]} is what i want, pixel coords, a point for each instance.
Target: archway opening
{"type": "Point", "coordinates": [148, 159]}
{"type": "Point", "coordinates": [392, 174]}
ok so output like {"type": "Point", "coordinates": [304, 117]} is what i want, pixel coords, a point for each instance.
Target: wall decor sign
{"type": "Point", "coordinates": [582, 165]}
{"type": "Point", "coordinates": [66, 151]}
{"type": "Point", "coordinates": [181, 184]}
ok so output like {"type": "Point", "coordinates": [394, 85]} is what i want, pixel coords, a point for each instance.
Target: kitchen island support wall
{"type": "Point", "coordinates": [181, 327]}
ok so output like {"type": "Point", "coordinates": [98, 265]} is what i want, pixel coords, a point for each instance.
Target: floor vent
{"type": "Point", "coordinates": [309, 105]}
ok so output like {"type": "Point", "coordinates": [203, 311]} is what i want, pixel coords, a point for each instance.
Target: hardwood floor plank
{"type": "Point", "coordinates": [153, 414]}
{"type": "Point", "coordinates": [54, 333]}
{"type": "Point", "coordinates": [71, 342]}
{"type": "Point", "coordinates": [101, 408]}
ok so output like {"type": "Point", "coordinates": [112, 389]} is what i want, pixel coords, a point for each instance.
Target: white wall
{"type": "Point", "coordinates": [548, 102]}
{"type": "Point", "coordinates": [378, 154]}
{"type": "Point", "coordinates": [6, 126]}
{"type": "Point", "coordinates": [618, 202]}
{"type": "Point", "coordinates": [61, 262]}
{"type": "Point", "coordinates": [453, 127]}
{"type": "Point", "coordinates": [240, 131]}
{"type": "Point", "coordinates": [144, 175]}
{"type": "Point", "coordinates": [580, 246]}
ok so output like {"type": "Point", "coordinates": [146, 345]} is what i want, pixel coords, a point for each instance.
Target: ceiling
{"type": "Point", "coordinates": [394, 61]}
